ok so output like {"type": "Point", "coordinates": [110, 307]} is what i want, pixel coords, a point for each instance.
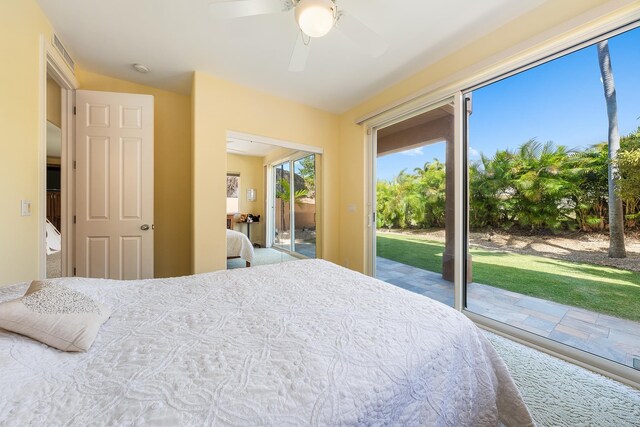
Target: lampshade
{"type": "Point", "coordinates": [315, 17]}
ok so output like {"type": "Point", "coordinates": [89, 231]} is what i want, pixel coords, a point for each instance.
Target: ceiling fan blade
{"type": "Point", "coordinates": [362, 35]}
{"type": "Point", "coordinates": [300, 54]}
{"type": "Point", "coordinates": [229, 9]}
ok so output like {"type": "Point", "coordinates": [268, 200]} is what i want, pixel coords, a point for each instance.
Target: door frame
{"type": "Point", "coordinates": [292, 159]}
{"type": "Point", "coordinates": [54, 65]}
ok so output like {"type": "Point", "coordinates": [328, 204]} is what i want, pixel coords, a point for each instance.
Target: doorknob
{"type": "Point", "coordinates": [144, 227]}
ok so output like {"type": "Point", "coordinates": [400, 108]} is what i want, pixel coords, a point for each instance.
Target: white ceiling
{"type": "Point", "coordinates": [175, 37]}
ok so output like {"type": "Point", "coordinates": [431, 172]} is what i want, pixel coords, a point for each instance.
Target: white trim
{"type": "Point", "coordinates": [270, 212]}
{"type": "Point", "coordinates": [271, 141]}
{"type": "Point", "coordinates": [460, 257]}
{"type": "Point", "coordinates": [371, 166]}
{"type": "Point", "coordinates": [52, 64]}
{"type": "Point", "coordinates": [596, 22]}
{"type": "Point", "coordinates": [42, 161]}
{"type": "Point", "coordinates": [62, 74]}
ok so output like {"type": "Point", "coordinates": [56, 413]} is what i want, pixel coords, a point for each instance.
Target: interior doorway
{"type": "Point", "coordinates": [56, 183]}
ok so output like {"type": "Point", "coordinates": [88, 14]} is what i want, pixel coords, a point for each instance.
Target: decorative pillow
{"type": "Point", "coordinates": [55, 315]}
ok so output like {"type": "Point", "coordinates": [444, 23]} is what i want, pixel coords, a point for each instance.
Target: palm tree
{"type": "Point", "coordinates": [283, 192]}
{"type": "Point", "coordinates": [616, 220]}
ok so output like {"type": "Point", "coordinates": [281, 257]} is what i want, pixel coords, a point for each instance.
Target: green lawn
{"type": "Point", "coordinates": [593, 287]}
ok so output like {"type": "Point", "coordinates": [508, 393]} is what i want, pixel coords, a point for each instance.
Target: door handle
{"type": "Point", "coordinates": [144, 227]}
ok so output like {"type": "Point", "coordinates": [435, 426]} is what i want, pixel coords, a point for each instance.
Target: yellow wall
{"type": "Point", "coordinates": [352, 136]}
{"type": "Point", "coordinates": [251, 170]}
{"type": "Point", "coordinates": [54, 102]}
{"type": "Point", "coordinates": [172, 164]}
{"type": "Point", "coordinates": [21, 23]}
{"type": "Point", "coordinates": [220, 106]}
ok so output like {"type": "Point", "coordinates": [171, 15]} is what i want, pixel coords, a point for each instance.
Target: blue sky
{"type": "Point", "coordinates": [560, 101]}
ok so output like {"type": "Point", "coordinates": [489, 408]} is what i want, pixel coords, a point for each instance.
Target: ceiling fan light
{"type": "Point", "coordinates": [315, 17]}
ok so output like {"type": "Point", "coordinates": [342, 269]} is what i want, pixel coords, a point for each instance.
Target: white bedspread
{"type": "Point", "coordinates": [239, 245]}
{"type": "Point", "coordinates": [298, 343]}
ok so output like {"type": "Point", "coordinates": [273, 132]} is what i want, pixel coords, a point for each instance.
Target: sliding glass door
{"type": "Point", "coordinates": [553, 224]}
{"type": "Point", "coordinates": [295, 205]}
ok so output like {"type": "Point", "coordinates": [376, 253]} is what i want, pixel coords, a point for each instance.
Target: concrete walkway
{"type": "Point", "coordinates": [610, 337]}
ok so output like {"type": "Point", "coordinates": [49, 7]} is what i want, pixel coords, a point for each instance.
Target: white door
{"type": "Point", "coordinates": [114, 185]}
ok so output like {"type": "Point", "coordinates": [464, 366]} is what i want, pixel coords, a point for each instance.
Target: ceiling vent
{"type": "Point", "coordinates": [60, 47]}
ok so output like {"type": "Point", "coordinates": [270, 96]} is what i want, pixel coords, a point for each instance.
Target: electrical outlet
{"type": "Point", "coordinates": [25, 207]}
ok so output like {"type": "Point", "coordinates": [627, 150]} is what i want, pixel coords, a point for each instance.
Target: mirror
{"type": "Point", "coordinates": [272, 201]}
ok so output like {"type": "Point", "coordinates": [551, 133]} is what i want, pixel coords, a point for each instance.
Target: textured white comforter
{"type": "Point", "coordinates": [239, 245]}
{"type": "Point", "coordinates": [299, 343]}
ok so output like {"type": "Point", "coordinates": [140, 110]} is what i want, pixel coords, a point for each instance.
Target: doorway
{"type": "Point", "coordinates": [56, 198]}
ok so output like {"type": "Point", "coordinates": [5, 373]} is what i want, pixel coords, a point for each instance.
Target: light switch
{"type": "Point", "coordinates": [351, 207]}
{"type": "Point", "coordinates": [25, 207]}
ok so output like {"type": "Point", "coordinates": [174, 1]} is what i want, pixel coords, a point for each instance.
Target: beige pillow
{"type": "Point", "coordinates": [55, 315]}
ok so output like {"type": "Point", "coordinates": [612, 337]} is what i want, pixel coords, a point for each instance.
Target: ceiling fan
{"type": "Point", "coordinates": [315, 18]}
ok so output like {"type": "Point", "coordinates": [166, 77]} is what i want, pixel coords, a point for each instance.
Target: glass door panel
{"type": "Point", "coordinates": [304, 207]}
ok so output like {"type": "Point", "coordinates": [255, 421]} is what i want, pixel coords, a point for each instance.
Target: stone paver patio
{"type": "Point", "coordinates": [600, 334]}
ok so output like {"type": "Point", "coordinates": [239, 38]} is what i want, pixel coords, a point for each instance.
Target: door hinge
{"type": "Point", "coordinates": [74, 271]}
{"type": "Point", "coordinates": [74, 219]}
{"type": "Point", "coordinates": [74, 164]}
{"type": "Point", "coordinates": [74, 111]}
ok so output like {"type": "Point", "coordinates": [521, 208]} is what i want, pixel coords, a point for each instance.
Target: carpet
{"type": "Point", "coordinates": [262, 256]}
{"type": "Point", "coordinates": [54, 265]}
{"type": "Point", "coordinates": [559, 393]}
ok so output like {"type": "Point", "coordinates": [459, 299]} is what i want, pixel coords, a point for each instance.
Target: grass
{"type": "Point", "coordinates": [593, 287]}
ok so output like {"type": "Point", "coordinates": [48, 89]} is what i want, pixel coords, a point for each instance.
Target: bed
{"type": "Point", "coordinates": [239, 246]}
{"type": "Point", "coordinates": [299, 343]}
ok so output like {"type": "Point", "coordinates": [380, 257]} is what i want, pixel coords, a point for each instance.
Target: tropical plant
{"type": "Point", "coordinates": [536, 187]}
{"type": "Point", "coordinates": [628, 167]}
{"type": "Point", "coordinates": [283, 192]}
{"type": "Point", "coordinates": [308, 172]}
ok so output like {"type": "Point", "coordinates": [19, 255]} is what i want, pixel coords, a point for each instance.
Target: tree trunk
{"type": "Point", "coordinates": [616, 220]}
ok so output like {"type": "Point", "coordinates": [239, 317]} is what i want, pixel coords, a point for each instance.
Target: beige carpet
{"type": "Point", "coordinates": [54, 265]}
{"type": "Point", "coordinates": [560, 394]}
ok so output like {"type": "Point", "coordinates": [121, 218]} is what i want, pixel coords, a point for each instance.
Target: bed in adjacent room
{"type": "Point", "coordinates": [298, 343]}
{"type": "Point", "coordinates": [239, 246]}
